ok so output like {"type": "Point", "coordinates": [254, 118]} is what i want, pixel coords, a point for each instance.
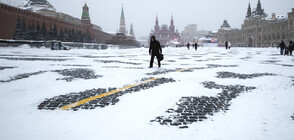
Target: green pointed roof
{"type": "Point", "coordinates": [85, 14]}
{"type": "Point", "coordinates": [122, 16]}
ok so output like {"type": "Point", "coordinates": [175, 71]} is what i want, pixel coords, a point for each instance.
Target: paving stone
{"type": "Point", "coordinates": [184, 58]}
{"type": "Point", "coordinates": [22, 76]}
{"type": "Point", "coordinates": [285, 65]}
{"type": "Point", "coordinates": [217, 66]}
{"type": "Point", "coordinates": [111, 67]}
{"type": "Point", "coordinates": [70, 98]}
{"type": "Point", "coordinates": [71, 74]}
{"type": "Point", "coordinates": [183, 127]}
{"type": "Point", "coordinates": [3, 68]}
{"type": "Point", "coordinates": [164, 71]}
{"type": "Point", "coordinates": [70, 65]}
{"type": "Point", "coordinates": [241, 76]}
{"type": "Point", "coordinates": [193, 109]}
{"type": "Point", "coordinates": [116, 61]}
{"type": "Point", "coordinates": [246, 58]}
{"type": "Point", "coordinates": [33, 59]}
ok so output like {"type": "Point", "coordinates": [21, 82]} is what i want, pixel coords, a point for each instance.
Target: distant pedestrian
{"type": "Point", "coordinates": [282, 46]}
{"type": "Point", "coordinates": [188, 45]}
{"type": "Point", "coordinates": [154, 50]}
{"type": "Point", "coordinates": [196, 45]}
{"type": "Point", "coordinates": [291, 47]}
{"type": "Point", "coordinates": [226, 44]}
{"type": "Point", "coordinates": [229, 44]}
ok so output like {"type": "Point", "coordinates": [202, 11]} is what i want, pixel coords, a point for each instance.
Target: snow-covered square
{"type": "Point", "coordinates": [211, 93]}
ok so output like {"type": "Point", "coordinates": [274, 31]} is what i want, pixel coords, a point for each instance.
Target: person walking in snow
{"type": "Point", "coordinates": [226, 44]}
{"type": "Point", "coordinates": [188, 45]}
{"type": "Point", "coordinates": [229, 45]}
{"type": "Point", "coordinates": [154, 50]}
{"type": "Point", "coordinates": [282, 46]}
{"type": "Point", "coordinates": [291, 47]}
{"type": "Point", "coordinates": [196, 45]}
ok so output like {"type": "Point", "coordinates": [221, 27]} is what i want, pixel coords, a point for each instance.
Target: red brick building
{"type": "Point", "coordinates": [9, 16]}
{"type": "Point", "coordinates": [165, 33]}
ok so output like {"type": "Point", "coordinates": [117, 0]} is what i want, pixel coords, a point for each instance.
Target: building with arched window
{"type": "Point", "coordinates": [259, 29]}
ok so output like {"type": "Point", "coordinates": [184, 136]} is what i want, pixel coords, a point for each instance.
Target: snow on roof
{"type": "Point", "coordinates": [34, 5]}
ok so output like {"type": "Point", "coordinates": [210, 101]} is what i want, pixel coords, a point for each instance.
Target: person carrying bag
{"type": "Point", "coordinates": [155, 50]}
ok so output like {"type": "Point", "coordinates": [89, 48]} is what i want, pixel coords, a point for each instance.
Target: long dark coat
{"type": "Point", "coordinates": [282, 45]}
{"type": "Point", "coordinates": [155, 48]}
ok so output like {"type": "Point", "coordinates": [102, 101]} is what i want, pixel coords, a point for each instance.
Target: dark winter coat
{"type": "Point", "coordinates": [226, 44]}
{"type": "Point", "coordinates": [155, 48]}
{"type": "Point", "coordinates": [291, 46]}
{"type": "Point", "coordinates": [282, 45]}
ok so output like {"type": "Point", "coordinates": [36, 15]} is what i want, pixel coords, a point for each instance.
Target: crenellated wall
{"type": "Point", "coordinates": [9, 16]}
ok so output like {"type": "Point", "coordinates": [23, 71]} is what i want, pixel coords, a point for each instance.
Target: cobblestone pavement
{"type": "Point", "coordinates": [33, 59]}
{"type": "Point", "coordinates": [90, 56]}
{"type": "Point", "coordinates": [3, 68]}
{"type": "Point", "coordinates": [217, 66]}
{"type": "Point", "coordinates": [70, 65]}
{"type": "Point", "coordinates": [224, 74]}
{"type": "Point", "coordinates": [110, 67]}
{"type": "Point", "coordinates": [116, 61]}
{"type": "Point", "coordinates": [286, 65]}
{"type": "Point", "coordinates": [22, 76]}
{"type": "Point", "coordinates": [246, 58]}
{"type": "Point", "coordinates": [30, 56]}
{"type": "Point", "coordinates": [62, 100]}
{"type": "Point", "coordinates": [71, 74]}
{"type": "Point", "coordinates": [271, 61]}
{"type": "Point", "coordinates": [193, 109]}
{"type": "Point", "coordinates": [209, 66]}
{"type": "Point", "coordinates": [163, 71]}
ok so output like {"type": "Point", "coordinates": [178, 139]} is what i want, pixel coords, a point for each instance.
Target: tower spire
{"type": "Point", "coordinates": [122, 25]}
{"type": "Point", "coordinates": [172, 26]}
{"type": "Point", "coordinates": [86, 15]}
{"type": "Point", "coordinates": [259, 10]}
{"type": "Point", "coordinates": [156, 21]}
{"type": "Point", "coordinates": [122, 16]}
{"type": "Point", "coordinates": [132, 30]}
{"type": "Point", "coordinates": [248, 11]}
{"type": "Point", "coordinates": [172, 20]}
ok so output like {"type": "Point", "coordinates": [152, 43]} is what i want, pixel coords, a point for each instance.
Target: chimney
{"type": "Point", "coordinates": [273, 16]}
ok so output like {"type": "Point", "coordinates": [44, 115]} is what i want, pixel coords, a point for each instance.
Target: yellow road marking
{"type": "Point", "coordinates": [78, 103]}
{"type": "Point", "coordinates": [181, 70]}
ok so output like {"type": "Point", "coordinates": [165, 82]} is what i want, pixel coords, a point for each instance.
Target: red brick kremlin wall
{"type": "Point", "coordinates": [9, 16]}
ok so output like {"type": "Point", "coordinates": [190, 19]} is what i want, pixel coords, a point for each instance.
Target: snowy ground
{"type": "Point", "coordinates": [242, 93]}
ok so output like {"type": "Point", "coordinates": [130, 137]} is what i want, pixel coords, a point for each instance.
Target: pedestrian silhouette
{"type": "Point", "coordinates": [282, 46]}
{"type": "Point", "coordinates": [291, 47]}
{"type": "Point", "coordinates": [154, 50]}
{"type": "Point", "coordinates": [226, 44]}
{"type": "Point", "coordinates": [196, 45]}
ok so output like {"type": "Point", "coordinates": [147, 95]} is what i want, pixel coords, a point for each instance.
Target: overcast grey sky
{"type": "Point", "coordinates": [207, 14]}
